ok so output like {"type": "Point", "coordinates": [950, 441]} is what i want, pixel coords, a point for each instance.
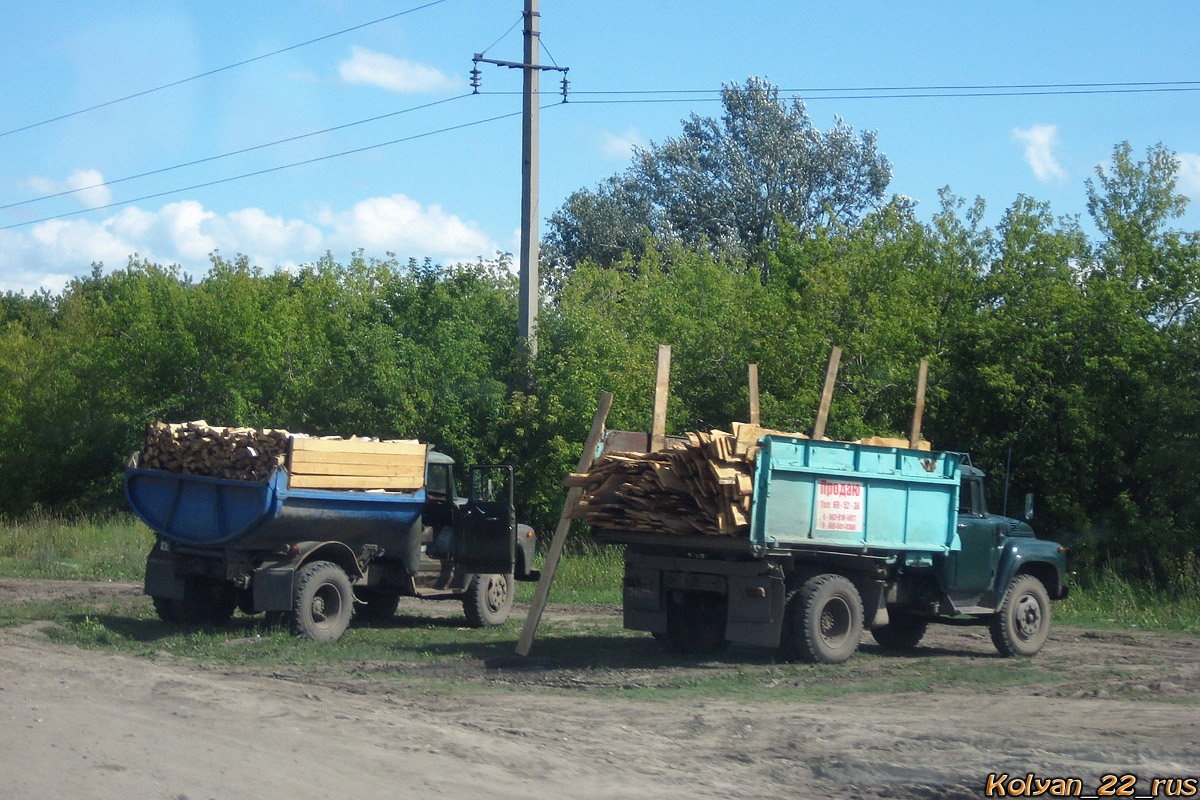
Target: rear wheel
{"type": "Point", "coordinates": [322, 602]}
{"type": "Point", "coordinates": [695, 623]}
{"type": "Point", "coordinates": [488, 600]}
{"type": "Point", "coordinates": [1022, 623]}
{"type": "Point", "coordinates": [205, 602]}
{"type": "Point", "coordinates": [903, 631]}
{"type": "Point", "coordinates": [823, 621]}
{"type": "Point", "coordinates": [378, 605]}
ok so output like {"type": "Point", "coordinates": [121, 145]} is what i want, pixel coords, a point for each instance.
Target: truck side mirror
{"type": "Point", "coordinates": [1029, 506]}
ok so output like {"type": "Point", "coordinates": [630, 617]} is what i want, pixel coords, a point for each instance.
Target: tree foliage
{"type": "Point", "coordinates": [726, 183]}
{"type": "Point", "coordinates": [1076, 359]}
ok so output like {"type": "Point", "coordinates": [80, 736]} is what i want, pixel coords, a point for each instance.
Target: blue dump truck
{"type": "Point", "coordinates": [845, 536]}
{"type": "Point", "coordinates": [311, 557]}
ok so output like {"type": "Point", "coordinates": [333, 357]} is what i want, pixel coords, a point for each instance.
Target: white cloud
{"type": "Point", "coordinates": [394, 74]}
{"type": "Point", "coordinates": [399, 224]}
{"type": "Point", "coordinates": [86, 185]}
{"type": "Point", "coordinates": [1189, 174]}
{"type": "Point", "coordinates": [1039, 142]}
{"type": "Point", "coordinates": [619, 146]}
{"type": "Point", "coordinates": [185, 233]}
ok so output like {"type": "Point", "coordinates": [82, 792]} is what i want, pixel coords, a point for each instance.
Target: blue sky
{"type": "Point", "coordinates": [455, 195]}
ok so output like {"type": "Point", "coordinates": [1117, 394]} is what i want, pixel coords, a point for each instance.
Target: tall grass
{"type": "Point", "coordinates": [1107, 599]}
{"type": "Point", "coordinates": [110, 547]}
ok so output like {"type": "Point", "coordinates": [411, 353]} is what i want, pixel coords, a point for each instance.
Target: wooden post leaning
{"type": "Point", "coordinates": [835, 357]}
{"type": "Point", "coordinates": [554, 554]}
{"type": "Point", "coordinates": [753, 377]}
{"type": "Point", "coordinates": [914, 434]}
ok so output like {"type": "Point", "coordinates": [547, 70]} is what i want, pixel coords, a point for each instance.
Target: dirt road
{"type": "Point", "coordinates": [82, 724]}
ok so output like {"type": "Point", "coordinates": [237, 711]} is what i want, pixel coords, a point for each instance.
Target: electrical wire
{"type": "Point", "coordinates": [949, 87]}
{"type": "Point", "coordinates": [219, 69]}
{"type": "Point", "coordinates": [908, 96]}
{"type": "Point", "coordinates": [269, 170]}
{"type": "Point", "coordinates": [231, 153]}
{"type": "Point", "coordinates": [506, 33]}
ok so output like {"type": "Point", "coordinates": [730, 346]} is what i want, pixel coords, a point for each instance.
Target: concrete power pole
{"type": "Point", "coordinates": [528, 302]}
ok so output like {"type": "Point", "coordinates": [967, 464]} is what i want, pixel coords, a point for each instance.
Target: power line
{"type": "Point", "coordinates": [220, 69]}
{"type": "Point", "coordinates": [229, 154]}
{"type": "Point", "coordinates": [270, 169]}
{"type": "Point", "coordinates": [948, 87]}
{"type": "Point", "coordinates": [906, 96]}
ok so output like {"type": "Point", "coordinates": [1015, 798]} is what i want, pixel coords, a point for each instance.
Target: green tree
{"type": "Point", "coordinates": [726, 183]}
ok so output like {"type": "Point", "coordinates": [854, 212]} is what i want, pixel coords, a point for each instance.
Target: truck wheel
{"type": "Point", "coordinates": [378, 605]}
{"type": "Point", "coordinates": [696, 623]}
{"type": "Point", "coordinates": [322, 602]}
{"type": "Point", "coordinates": [823, 621]}
{"type": "Point", "coordinates": [1022, 623]}
{"type": "Point", "coordinates": [903, 631]}
{"type": "Point", "coordinates": [167, 609]}
{"type": "Point", "coordinates": [488, 600]}
{"type": "Point", "coordinates": [204, 602]}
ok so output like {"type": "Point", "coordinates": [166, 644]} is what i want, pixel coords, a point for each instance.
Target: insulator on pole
{"type": "Point", "coordinates": [475, 78]}
{"type": "Point", "coordinates": [566, 86]}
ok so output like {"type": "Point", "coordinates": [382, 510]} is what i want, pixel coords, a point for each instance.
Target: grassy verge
{"type": "Point", "coordinates": [1108, 600]}
{"type": "Point", "coordinates": [114, 548]}
{"type": "Point", "coordinates": [110, 547]}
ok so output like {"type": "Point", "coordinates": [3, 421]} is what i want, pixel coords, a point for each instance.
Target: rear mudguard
{"type": "Point", "coordinates": [271, 582]}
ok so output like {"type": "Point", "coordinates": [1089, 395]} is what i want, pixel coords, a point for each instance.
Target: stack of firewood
{"type": "Point", "coordinates": [197, 448]}
{"type": "Point", "coordinates": [250, 454]}
{"type": "Point", "coordinates": [704, 486]}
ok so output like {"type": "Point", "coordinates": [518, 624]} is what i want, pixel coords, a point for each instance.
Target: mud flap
{"type": "Point", "coordinates": [161, 579]}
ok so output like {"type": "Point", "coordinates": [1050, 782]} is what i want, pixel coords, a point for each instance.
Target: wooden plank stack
{"type": "Point", "coordinates": [702, 487]}
{"type": "Point", "coordinates": [250, 454]}
{"type": "Point", "coordinates": [356, 464]}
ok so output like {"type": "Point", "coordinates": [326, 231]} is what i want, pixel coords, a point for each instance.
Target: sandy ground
{"type": "Point", "coordinates": [80, 724]}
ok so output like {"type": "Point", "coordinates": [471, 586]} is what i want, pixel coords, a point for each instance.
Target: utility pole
{"type": "Point", "coordinates": [527, 302]}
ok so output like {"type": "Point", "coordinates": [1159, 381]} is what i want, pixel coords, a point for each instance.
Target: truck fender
{"type": "Point", "coordinates": [272, 580]}
{"type": "Point", "coordinates": [526, 542]}
{"type": "Point", "coordinates": [1033, 556]}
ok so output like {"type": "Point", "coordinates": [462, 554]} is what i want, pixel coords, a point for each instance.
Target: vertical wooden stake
{"type": "Point", "coordinates": [835, 357]}
{"type": "Point", "coordinates": [754, 417]}
{"type": "Point", "coordinates": [914, 435]}
{"type": "Point", "coordinates": [662, 388]}
{"type": "Point", "coordinates": [564, 525]}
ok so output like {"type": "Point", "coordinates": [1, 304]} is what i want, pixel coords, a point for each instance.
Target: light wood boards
{"type": "Point", "coordinates": [197, 448]}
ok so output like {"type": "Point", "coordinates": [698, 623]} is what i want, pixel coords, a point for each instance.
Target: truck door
{"type": "Point", "coordinates": [485, 526]}
{"type": "Point", "coordinates": [975, 564]}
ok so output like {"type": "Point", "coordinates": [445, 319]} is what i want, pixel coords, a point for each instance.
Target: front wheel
{"type": "Point", "coordinates": [1022, 623]}
{"type": "Point", "coordinates": [823, 621]}
{"type": "Point", "coordinates": [322, 602]}
{"type": "Point", "coordinates": [488, 600]}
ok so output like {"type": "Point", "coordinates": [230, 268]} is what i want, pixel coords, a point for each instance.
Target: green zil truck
{"type": "Point", "coordinates": [845, 537]}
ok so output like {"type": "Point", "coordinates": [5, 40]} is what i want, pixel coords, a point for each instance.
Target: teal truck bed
{"type": "Point", "coordinates": [843, 495]}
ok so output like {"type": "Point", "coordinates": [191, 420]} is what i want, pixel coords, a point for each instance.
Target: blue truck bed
{"type": "Point", "coordinates": [262, 515]}
{"type": "Point", "coordinates": [862, 497]}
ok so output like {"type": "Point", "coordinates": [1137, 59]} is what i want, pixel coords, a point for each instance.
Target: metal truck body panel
{"type": "Point", "coordinates": [262, 515]}
{"type": "Point", "coordinates": [835, 494]}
